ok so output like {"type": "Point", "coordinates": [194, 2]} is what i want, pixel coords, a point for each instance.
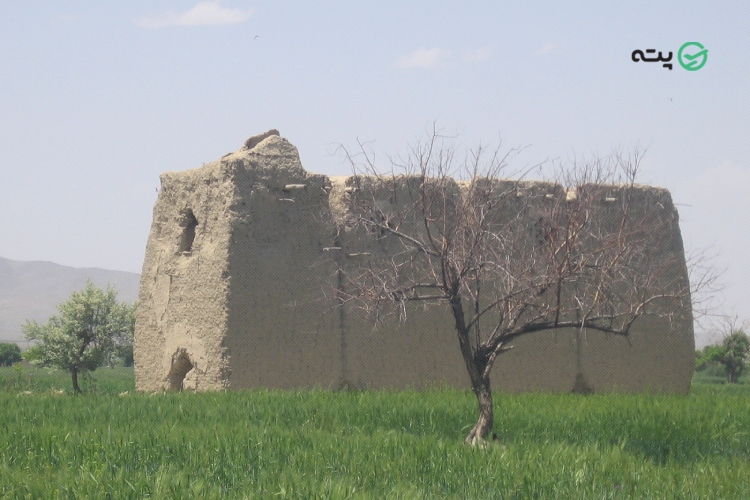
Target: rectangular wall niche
{"type": "Point", "coordinates": [188, 223]}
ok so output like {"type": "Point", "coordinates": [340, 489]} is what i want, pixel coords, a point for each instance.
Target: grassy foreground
{"type": "Point", "coordinates": [318, 444]}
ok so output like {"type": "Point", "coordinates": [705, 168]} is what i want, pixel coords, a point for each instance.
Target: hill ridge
{"type": "Point", "coordinates": [33, 289]}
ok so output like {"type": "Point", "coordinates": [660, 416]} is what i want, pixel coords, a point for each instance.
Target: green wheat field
{"type": "Point", "coordinates": [114, 443]}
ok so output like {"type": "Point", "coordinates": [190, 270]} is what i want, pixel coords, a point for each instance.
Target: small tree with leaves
{"type": "Point", "coordinates": [732, 354]}
{"type": "Point", "coordinates": [9, 353]}
{"type": "Point", "coordinates": [90, 325]}
{"type": "Point", "coordinates": [588, 250]}
{"type": "Point", "coordinates": [736, 347]}
{"type": "Point", "coordinates": [707, 358]}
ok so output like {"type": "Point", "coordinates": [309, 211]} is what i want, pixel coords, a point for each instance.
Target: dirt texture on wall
{"type": "Point", "coordinates": [239, 290]}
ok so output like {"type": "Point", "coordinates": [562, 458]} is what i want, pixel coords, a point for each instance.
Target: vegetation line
{"type": "Point", "coordinates": [111, 442]}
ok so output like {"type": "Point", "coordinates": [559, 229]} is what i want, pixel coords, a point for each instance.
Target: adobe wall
{"type": "Point", "coordinates": [182, 313]}
{"type": "Point", "coordinates": [252, 302]}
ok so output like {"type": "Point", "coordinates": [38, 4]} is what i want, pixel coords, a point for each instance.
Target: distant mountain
{"type": "Point", "coordinates": [32, 290]}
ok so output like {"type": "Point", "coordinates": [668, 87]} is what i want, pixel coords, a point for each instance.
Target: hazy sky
{"type": "Point", "coordinates": [98, 98]}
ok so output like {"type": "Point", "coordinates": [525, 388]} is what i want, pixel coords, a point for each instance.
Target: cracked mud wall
{"type": "Point", "coordinates": [657, 356]}
{"type": "Point", "coordinates": [420, 352]}
{"type": "Point", "coordinates": [282, 332]}
{"type": "Point", "coordinates": [243, 307]}
{"type": "Point", "coordinates": [238, 291]}
{"type": "Point", "coordinates": [181, 319]}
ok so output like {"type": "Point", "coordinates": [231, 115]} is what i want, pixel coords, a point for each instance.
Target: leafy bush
{"type": "Point", "coordinates": [9, 353]}
{"type": "Point", "coordinates": [731, 356]}
{"type": "Point", "coordinates": [90, 327]}
{"type": "Point", "coordinates": [33, 354]}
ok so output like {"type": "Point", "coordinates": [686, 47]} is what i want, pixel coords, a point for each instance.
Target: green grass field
{"type": "Point", "coordinates": [319, 444]}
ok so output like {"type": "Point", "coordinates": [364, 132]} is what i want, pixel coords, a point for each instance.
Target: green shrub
{"type": "Point", "coordinates": [730, 356]}
{"type": "Point", "coordinates": [88, 330]}
{"type": "Point", "coordinates": [9, 353]}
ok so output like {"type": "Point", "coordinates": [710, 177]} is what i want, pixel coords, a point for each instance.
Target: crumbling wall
{"type": "Point", "coordinates": [282, 332]}
{"type": "Point", "coordinates": [182, 313]}
{"type": "Point", "coordinates": [241, 279]}
{"type": "Point", "coordinates": [657, 356]}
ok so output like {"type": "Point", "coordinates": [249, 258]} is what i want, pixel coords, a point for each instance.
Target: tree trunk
{"type": "Point", "coordinates": [480, 379]}
{"type": "Point", "coordinates": [483, 427]}
{"type": "Point", "coordinates": [74, 373]}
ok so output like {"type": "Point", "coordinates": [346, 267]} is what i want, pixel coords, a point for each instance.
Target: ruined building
{"type": "Point", "coordinates": [233, 295]}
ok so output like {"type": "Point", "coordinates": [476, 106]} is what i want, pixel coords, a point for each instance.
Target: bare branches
{"type": "Point", "coordinates": [589, 249]}
{"type": "Point", "coordinates": [543, 251]}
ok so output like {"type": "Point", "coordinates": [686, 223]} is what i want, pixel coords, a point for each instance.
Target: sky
{"type": "Point", "coordinates": [98, 98]}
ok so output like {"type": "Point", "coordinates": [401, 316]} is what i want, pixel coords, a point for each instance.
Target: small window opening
{"type": "Point", "coordinates": [181, 365]}
{"type": "Point", "coordinates": [188, 222]}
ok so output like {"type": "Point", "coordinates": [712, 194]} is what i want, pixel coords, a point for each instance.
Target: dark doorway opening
{"type": "Point", "coordinates": [181, 365]}
{"type": "Point", "coordinates": [188, 222]}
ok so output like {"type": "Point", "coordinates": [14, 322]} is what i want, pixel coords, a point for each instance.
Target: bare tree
{"type": "Point", "coordinates": [588, 250]}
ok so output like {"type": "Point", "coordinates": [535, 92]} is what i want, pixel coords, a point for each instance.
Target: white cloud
{"type": "Point", "coordinates": [203, 14]}
{"type": "Point", "coordinates": [422, 58]}
{"type": "Point", "coordinates": [548, 47]}
{"type": "Point", "coordinates": [478, 55]}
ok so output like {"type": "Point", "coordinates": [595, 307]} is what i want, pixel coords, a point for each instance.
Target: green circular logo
{"type": "Point", "coordinates": [692, 60]}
